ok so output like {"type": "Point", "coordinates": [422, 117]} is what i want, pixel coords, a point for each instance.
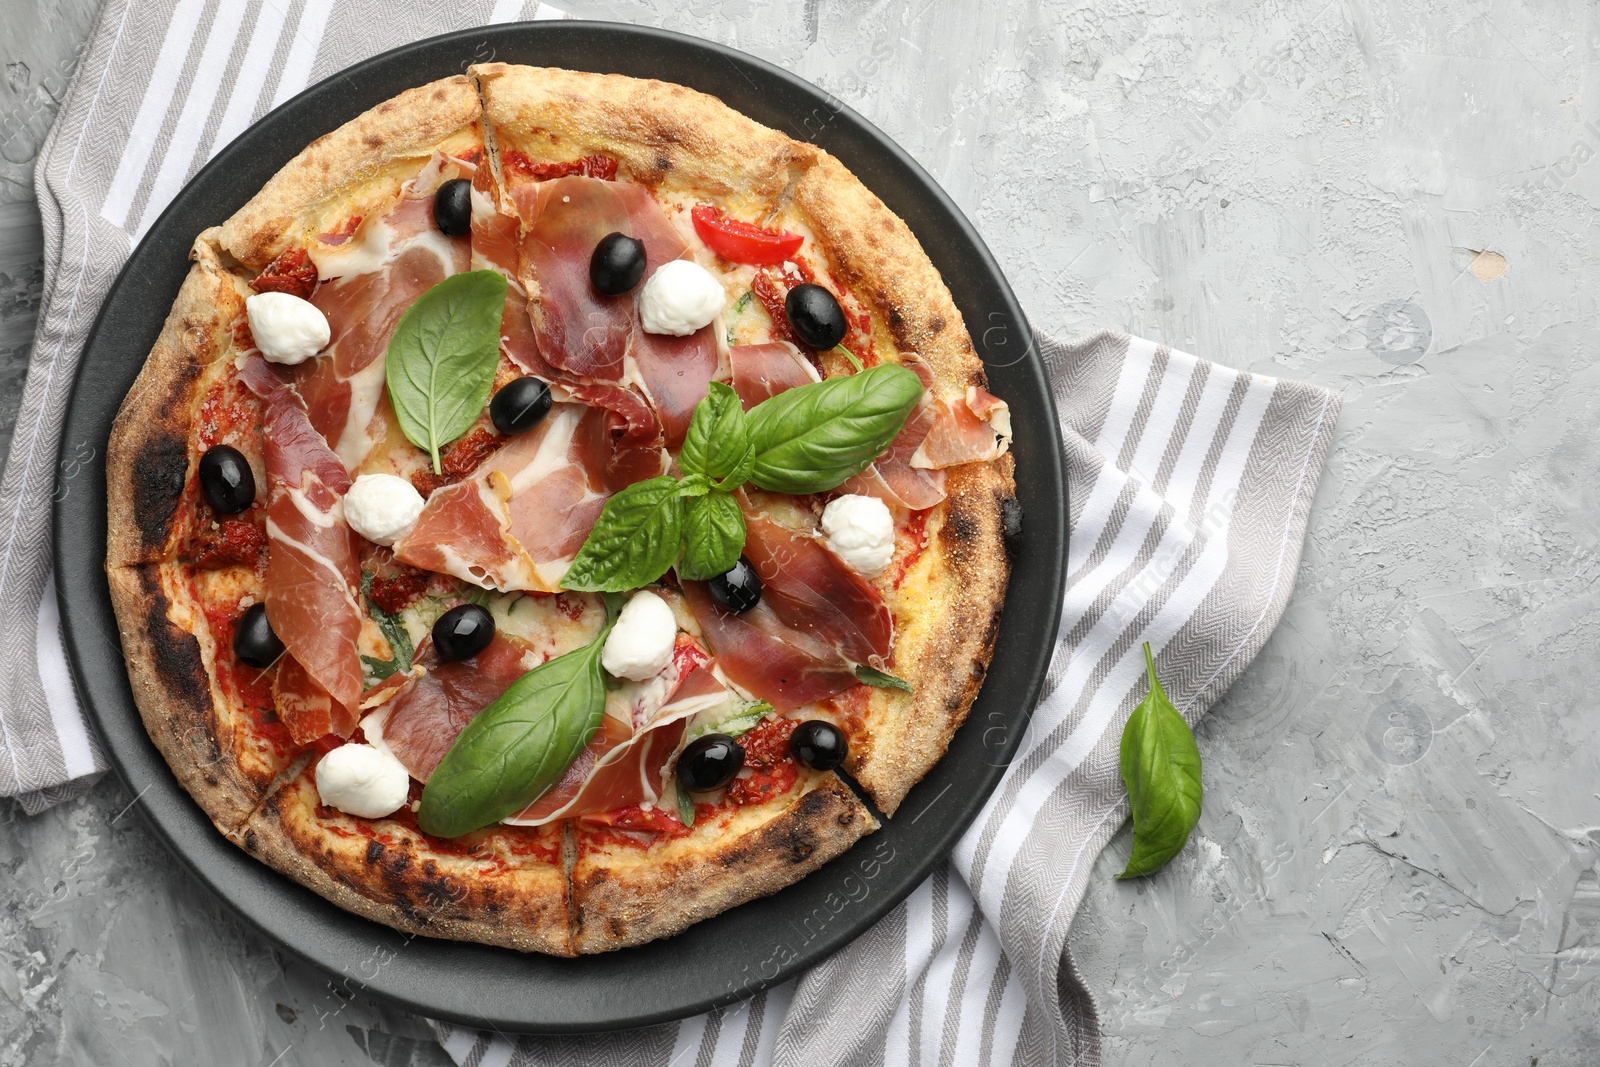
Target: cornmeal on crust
{"type": "Point", "coordinates": [562, 890]}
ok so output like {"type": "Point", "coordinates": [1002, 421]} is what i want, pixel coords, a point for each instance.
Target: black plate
{"type": "Point", "coordinates": [739, 951]}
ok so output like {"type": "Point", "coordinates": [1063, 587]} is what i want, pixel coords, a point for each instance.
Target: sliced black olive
{"type": "Point", "coordinates": [738, 589]}
{"type": "Point", "coordinates": [226, 480]}
{"type": "Point", "coordinates": [710, 762]}
{"type": "Point", "coordinates": [818, 744]}
{"type": "Point", "coordinates": [617, 264]}
{"type": "Point", "coordinates": [253, 640]}
{"type": "Point", "coordinates": [816, 316]}
{"type": "Point", "coordinates": [452, 208]}
{"type": "Point", "coordinates": [520, 406]}
{"type": "Point", "coordinates": [463, 632]}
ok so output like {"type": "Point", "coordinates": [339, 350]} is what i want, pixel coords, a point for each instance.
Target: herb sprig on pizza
{"type": "Point", "coordinates": [543, 490]}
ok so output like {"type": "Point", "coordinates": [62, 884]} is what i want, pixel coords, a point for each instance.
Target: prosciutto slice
{"type": "Point", "coordinates": [424, 719]}
{"type": "Point", "coordinates": [627, 763]}
{"type": "Point", "coordinates": [817, 619]}
{"type": "Point", "coordinates": [369, 278]}
{"type": "Point", "coordinates": [312, 565]}
{"type": "Point", "coordinates": [588, 336]}
{"type": "Point", "coordinates": [761, 372]}
{"type": "Point", "coordinates": [973, 429]}
{"type": "Point", "coordinates": [522, 516]}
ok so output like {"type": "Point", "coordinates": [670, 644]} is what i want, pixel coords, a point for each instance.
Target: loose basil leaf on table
{"type": "Point", "coordinates": [717, 440]}
{"type": "Point", "coordinates": [814, 437]}
{"type": "Point", "coordinates": [442, 358]}
{"type": "Point", "coordinates": [882, 679]}
{"type": "Point", "coordinates": [634, 542]}
{"type": "Point", "coordinates": [713, 536]}
{"type": "Point", "coordinates": [520, 745]}
{"type": "Point", "coordinates": [1161, 768]}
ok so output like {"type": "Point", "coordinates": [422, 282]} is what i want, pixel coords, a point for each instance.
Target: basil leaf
{"type": "Point", "coordinates": [882, 679]}
{"type": "Point", "coordinates": [717, 438]}
{"type": "Point", "coordinates": [393, 630]}
{"type": "Point", "coordinates": [520, 745]}
{"type": "Point", "coordinates": [713, 536]}
{"type": "Point", "coordinates": [1161, 768]}
{"type": "Point", "coordinates": [635, 541]}
{"type": "Point", "coordinates": [849, 355]}
{"type": "Point", "coordinates": [380, 668]}
{"type": "Point", "coordinates": [813, 437]}
{"type": "Point", "coordinates": [442, 358]}
{"type": "Point", "coordinates": [685, 803]}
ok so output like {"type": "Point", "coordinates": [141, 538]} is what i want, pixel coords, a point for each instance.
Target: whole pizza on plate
{"type": "Point", "coordinates": [540, 492]}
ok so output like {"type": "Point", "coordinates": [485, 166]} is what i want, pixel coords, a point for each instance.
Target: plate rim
{"type": "Point", "coordinates": [167, 819]}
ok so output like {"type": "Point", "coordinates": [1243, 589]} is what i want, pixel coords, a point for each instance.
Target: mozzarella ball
{"type": "Point", "coordinates": [640, 644]}
{"type": "Point", "coordinates": [680, 298]}
{"type": "Point", "coordinates": [286, 328]}
{"type": "Point", "coordinates": [362, 780]}
{"type": "Point", "coordinates": [860, 531]}
{"type": "Point", "coordinates": [382, 507]}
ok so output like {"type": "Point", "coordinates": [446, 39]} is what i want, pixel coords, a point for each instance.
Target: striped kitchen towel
{"type": "Point", "coordinates": [1190, 482]}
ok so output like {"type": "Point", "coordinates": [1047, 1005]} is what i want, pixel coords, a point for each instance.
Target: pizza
{"type": "Point", "coordinates": [556, 510]}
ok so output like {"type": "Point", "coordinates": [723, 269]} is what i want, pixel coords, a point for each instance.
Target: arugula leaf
{"type": "Point", "coordinates": [520, 745]}
{"type": "Point", "coordinates": [634, 543]}
{"type": "Point", "coordinates": [380, 668]}
{"type": "Point", "coordinates": [881, 679]}
{"type": "Point", "coordinates": [743, 302]}
{"type": "Point", "coordinates": [442, 358]}
{"type": "Point", "coordinates": [717, 439]}
{"type": "Point", "coordinates": [813, 437]}
{"type": "Point", "coordinates": [713, 536]}
{"type": "Point", "coordinates": [685, 803]}
{"type": "Point", "coordinates": [1161, 768]}
{"type": "Point", "coordinates": [394, 631]}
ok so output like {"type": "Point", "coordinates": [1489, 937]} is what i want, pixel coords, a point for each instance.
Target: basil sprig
{"type": "Point", "coordinates": [442, 358]}
{"type": "Point", "coordinates": [1161, 768]}
{"type": "Point", "coordinates": [807, 439]}
{"type": "Point", "coordinates": [520, 745]}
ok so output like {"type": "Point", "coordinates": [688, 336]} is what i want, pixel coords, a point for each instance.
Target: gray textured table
{"type": "Point", "coordinates": [1397, 861]}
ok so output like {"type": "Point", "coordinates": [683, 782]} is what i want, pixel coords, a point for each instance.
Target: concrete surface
{"type": "Point", "coordinates": [1397, 860]}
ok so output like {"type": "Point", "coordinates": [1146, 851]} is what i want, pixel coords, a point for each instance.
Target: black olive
{"type": "Point", "coordinates": [816, 316]}
{"type": "Point", "coordinates": [452, 208]}
{"type": "Point", "coordinates": [226, 480]}
{"type": "Point", "coordinates": [738, 589]}
{"type": "Point", "coordinates": [520, 405]}
{"type": "Point", "coordinates": [463, 632]}
{"type": "Point", "coordinates": [253, 640]}
{"type": "Point", "coordinates": [818, 744]}
{"type": "Point", "coordinates": [617, 264]}
{"type": "Point", "coordinates": [710, 762]}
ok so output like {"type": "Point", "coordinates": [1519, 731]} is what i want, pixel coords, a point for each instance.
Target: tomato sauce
{"type": "Point", "coordinates": [249, 686]}
{"type": "Point", "coordinates": [597, 166]}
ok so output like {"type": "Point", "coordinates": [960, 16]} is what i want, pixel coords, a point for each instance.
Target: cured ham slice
{"type": "Point", "coordinates": [628, 763]}
{"type": "Point", "coordinates": [369, 278]}
{"type": "Point", "coordinates": [522, 516]}
{"type": "Point", "coordinates": [817, 619]}
{"type": "Point", "coordinates": [893, 479]}
{"type": "Point", "coordinates": [424, 719]}
{"type": "Point", "coordinates": [973, 429]}
{"type": "Point", "coordinates": [761, 372]}
{"type": "Point", "coordinates": [312, 565]}
{"type": "Point", "coordinates": [591, 337]}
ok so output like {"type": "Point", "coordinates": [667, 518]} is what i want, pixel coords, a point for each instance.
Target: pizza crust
{"type": "Point", "coordinates": [348, 170]}
{"type": "Point", "coordinates": [147, 456]}
{"type": "Point", "coordinates": [498, 898]}
{"type": "Point", "coordinates": [624, 896]}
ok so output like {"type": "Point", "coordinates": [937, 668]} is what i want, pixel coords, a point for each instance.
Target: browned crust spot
{"type": "Point", "coordinates": [626, 897]}
{"type": "Point", "coordinates": [516, 903]}
{"type": "Point", "coordinates": [172, 690]}
{"type": "Point", "coordinates": [147, 456]}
